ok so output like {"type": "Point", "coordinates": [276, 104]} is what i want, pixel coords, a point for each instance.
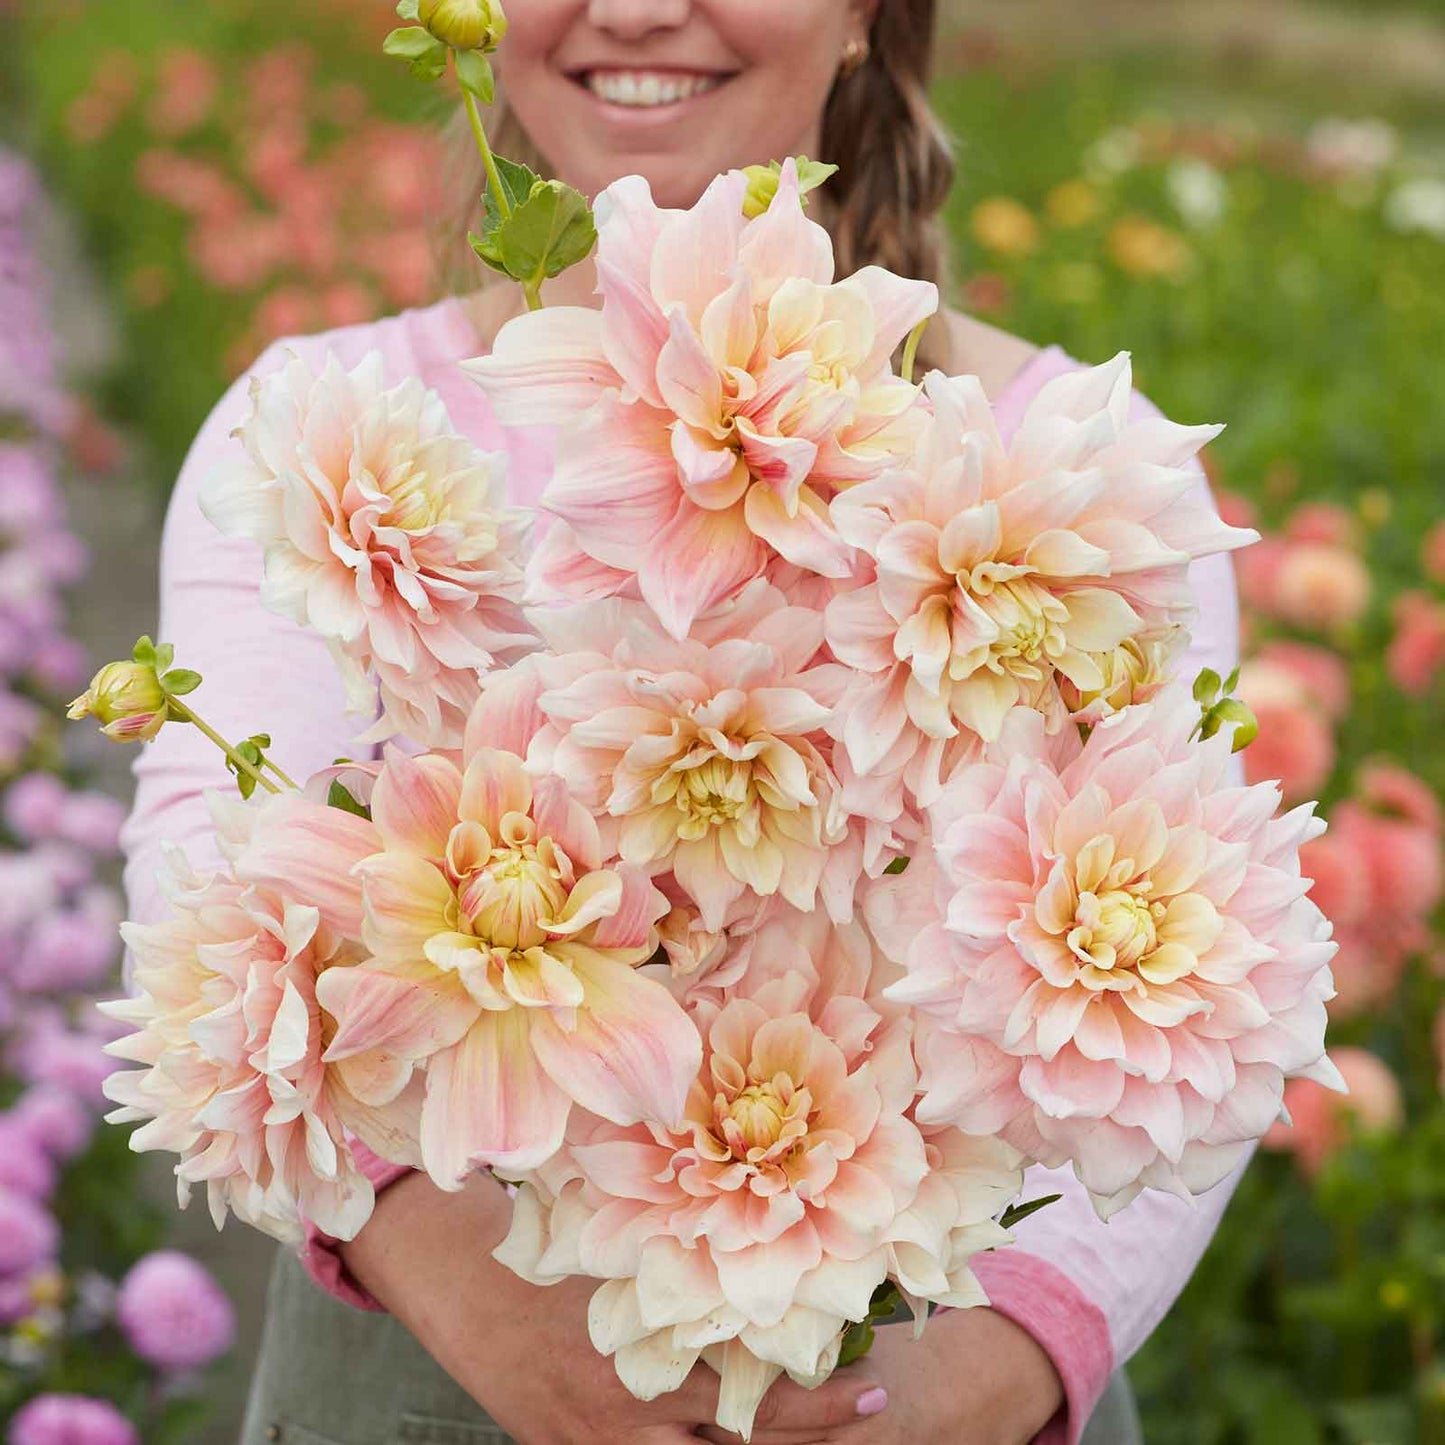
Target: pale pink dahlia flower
{"type": "Point", "coordinates": [730, 386]}
{"type": "Point", "coordinates": [1127, 966]}
{"type": "Point", "coordinates": [701, 756]}
{"type": "Point", "coordinates": [750, 1234]}
{"type": "Point", "coordinates": [504, 945]}
{"type": "Point", "coordinates": [230, 1038]}
{"type": "Point", "coordinates": [1046, 574]}
{"type": "Point", "coordinates": [385, 532]}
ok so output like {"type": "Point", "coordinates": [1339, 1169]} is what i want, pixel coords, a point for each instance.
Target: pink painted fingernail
{"type": "Point", "coordinates": [873, 1402]}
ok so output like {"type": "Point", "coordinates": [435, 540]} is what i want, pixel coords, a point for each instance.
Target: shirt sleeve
{"type": "Point", "coordinates": [260, 672]}
{"type": "Point", "coordinates": [1091, 1293]}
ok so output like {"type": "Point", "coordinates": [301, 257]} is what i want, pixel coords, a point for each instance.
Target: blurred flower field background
{"type": "Point", "coordinates": [1249, 196]}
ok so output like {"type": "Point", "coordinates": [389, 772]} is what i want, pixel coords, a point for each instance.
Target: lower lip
{"type": "Point", "coordinates": [643, 115]}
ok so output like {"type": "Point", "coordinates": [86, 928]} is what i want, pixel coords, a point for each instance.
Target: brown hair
{"type": "Point", "coordinates": [894, 158]}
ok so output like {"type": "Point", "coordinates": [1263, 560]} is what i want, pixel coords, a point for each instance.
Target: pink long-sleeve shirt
{"type": "Point", "coordinates": [1089, 1293]}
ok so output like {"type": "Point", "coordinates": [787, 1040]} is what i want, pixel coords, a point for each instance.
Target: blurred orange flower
{"type": "Point", "coordinates": [1145, 248]}
{"type": "Point", "coordinates": [1005, 225]}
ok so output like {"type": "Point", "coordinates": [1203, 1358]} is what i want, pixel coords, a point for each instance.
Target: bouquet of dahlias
{"type": "Point", "coordinates": [795, 835]}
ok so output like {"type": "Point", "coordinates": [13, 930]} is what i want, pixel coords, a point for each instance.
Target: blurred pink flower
{"type": "Point", "coordinates": [33, 805]}
{"type": "Point", "coordinates": [70, 1420]}
{"type": "Point", "coordinates": [1416, 654]}
{"type": "Point", "coordinates": [25, 1168]}
{"type": "Point", "coordinates": [1127, 968]}
{"type": "Point", "coordinates": [1324, 1120]}
{"type": "Point", "coordinates": [173, 1313]}
{"type": "Point", "coordinates": [403, 262]}
{"type": "Point", "coordinates": [199, 187]}
{"type": "Point", "coordinates": [1394, 791]}
{"type": "Point", "coordinates": [1296, 742]}
{"type": "Point", "coordinates": [29, 1235]}
{"type": "Point", "coordinates": [187, 85]}
{"type": "Point", "coordinates": [92, 821]}
{"type": "Point", "coordinates": [1322, 675]}
{"type": "Point", "coordinates": [1432, 553]}
{"type": "Point", "coordinates": [55, 1120]}
{"type": "Point", "coordinates": [68, 951]}
{"type": "Point", "coordinates": [1323, 522]}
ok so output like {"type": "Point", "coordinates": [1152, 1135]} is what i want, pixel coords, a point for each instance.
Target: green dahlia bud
{"type": "Point", "coordinates": [464, 24]}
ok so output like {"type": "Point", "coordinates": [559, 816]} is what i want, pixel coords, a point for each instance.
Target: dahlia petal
{"type": "Point", "coordinates": [545, 367]}
{"type": "Point", "coordinates": [632, 1052]}
{"type": "Point", "coordinates": [489, 1101]}
{"type": "Point", "coordinates": [414, 803]}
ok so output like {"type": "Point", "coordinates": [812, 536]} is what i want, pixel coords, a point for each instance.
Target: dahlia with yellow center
{"type": "Point", "coordinates": [997, 576]}
{"type": "Point", "coordinates": [504, 943]}
{"type": "Point", "coordinates": [750, 1235]}
{"type": "Point", "coordinates": [1128, 965]}
{"type": "Point", "coordinates": [701, 757]}
{"type": "Point", "coordinates": [384, 531]}
{"type": "Point", "coordinates": [725, 390]}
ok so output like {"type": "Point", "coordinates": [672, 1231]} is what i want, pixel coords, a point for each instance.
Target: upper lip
{"type": "Point", "coordinates": [637, 67]}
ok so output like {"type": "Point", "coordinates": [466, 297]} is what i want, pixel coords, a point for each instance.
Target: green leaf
{"type": "Point", "coordinates": [1246, 725]}
{"type": "Point", "coordinates": [408, 9]}
{"type": "Point", "coordinates": [897, 866]}
{"type": "Point", "coordinates": [517, 182]}
{"type": "Point", "coordinates": [1206, 687]}
{"type": "Point", "coordinates": [1015, 1212]}
{"type": "Point", "coordinates": [425, 54]}
{"type": "Point", "coordinates": [550, 231]}
{"type": "Point", "coordinates": [181, 680]}
{"type": "Point", "coordinates": [144, 651]}
{"type": "Point", "coordinates": [474, 71]}
{"type": "Point", "coordinates": [337, 796]}
{"type": "Point", "coordinates": [857, 1341]}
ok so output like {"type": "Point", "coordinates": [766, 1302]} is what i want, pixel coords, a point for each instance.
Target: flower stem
{"type": "Point", "coordinates": [910, 349]}
{"type": "Point", "coordinates": [494, 176]}
{"type": "Point", "coordinates": [286, 782]}
{"type": "Point", "coordinates": [186, 715]}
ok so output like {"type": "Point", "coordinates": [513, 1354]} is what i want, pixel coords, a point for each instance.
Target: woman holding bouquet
{"type": "Point", "coordinates": [415, 1332]}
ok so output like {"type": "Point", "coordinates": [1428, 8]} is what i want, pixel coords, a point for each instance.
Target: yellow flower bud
{"type": "Point", "coordinates": [127, 699]}
{"type": "Point", "coordinates": [465, 24]}
{"type": "Point", "coordinates": [763, 183]}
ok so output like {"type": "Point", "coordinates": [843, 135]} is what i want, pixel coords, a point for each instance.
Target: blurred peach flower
{"type": "Point", "coordinates": [187, 86]}
{"type": "Point", "coordinates": [1320, 586]}
{"type": "Point", "coordinates": [1416, 654]}
{"type": "Point", "coordinates": [1323, 522]}
{"type": "Point", "coordinates": [1432, 553]}
{"type": "Point", "coordinates": [1143, 247]}
{"type": "Point", "coordinates": [1296, 742]}
{"type": "Point", "coordinates": [1323, 1121]}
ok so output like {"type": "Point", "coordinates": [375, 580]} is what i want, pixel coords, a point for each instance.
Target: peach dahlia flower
{"type": "Point", "coordinates": [703, 754]}
{"type": "Point", "coordinates": [1127, 966]}
{"type": "Point", "coordinates": [385, 532]}
{"type": "Point", "coordinates": [230, 1037]}
{"type": "Point", "coordinates": [750, 1234]}
{"type": "Point", "coordinates": [999, 576]}
{"type": "Point", "coordinates": [731, 386]}
{"type": "Point", "coordinates": [503, 945]}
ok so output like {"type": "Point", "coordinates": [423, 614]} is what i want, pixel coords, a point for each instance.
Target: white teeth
{"type": "Point", "coordinates": [646, 87]}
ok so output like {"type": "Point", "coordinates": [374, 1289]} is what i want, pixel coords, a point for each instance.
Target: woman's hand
{"type": "Point", "coordinates": [974, 1378]}
{"type": "Point", "coordinates": [523, 1352]}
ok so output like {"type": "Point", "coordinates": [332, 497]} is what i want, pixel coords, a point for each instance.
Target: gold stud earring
{"type": "Point", "coordinates": [854, 58]}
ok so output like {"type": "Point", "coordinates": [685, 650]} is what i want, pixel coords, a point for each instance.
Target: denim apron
{"type": "Point", "coordinates": [329, 1374]}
